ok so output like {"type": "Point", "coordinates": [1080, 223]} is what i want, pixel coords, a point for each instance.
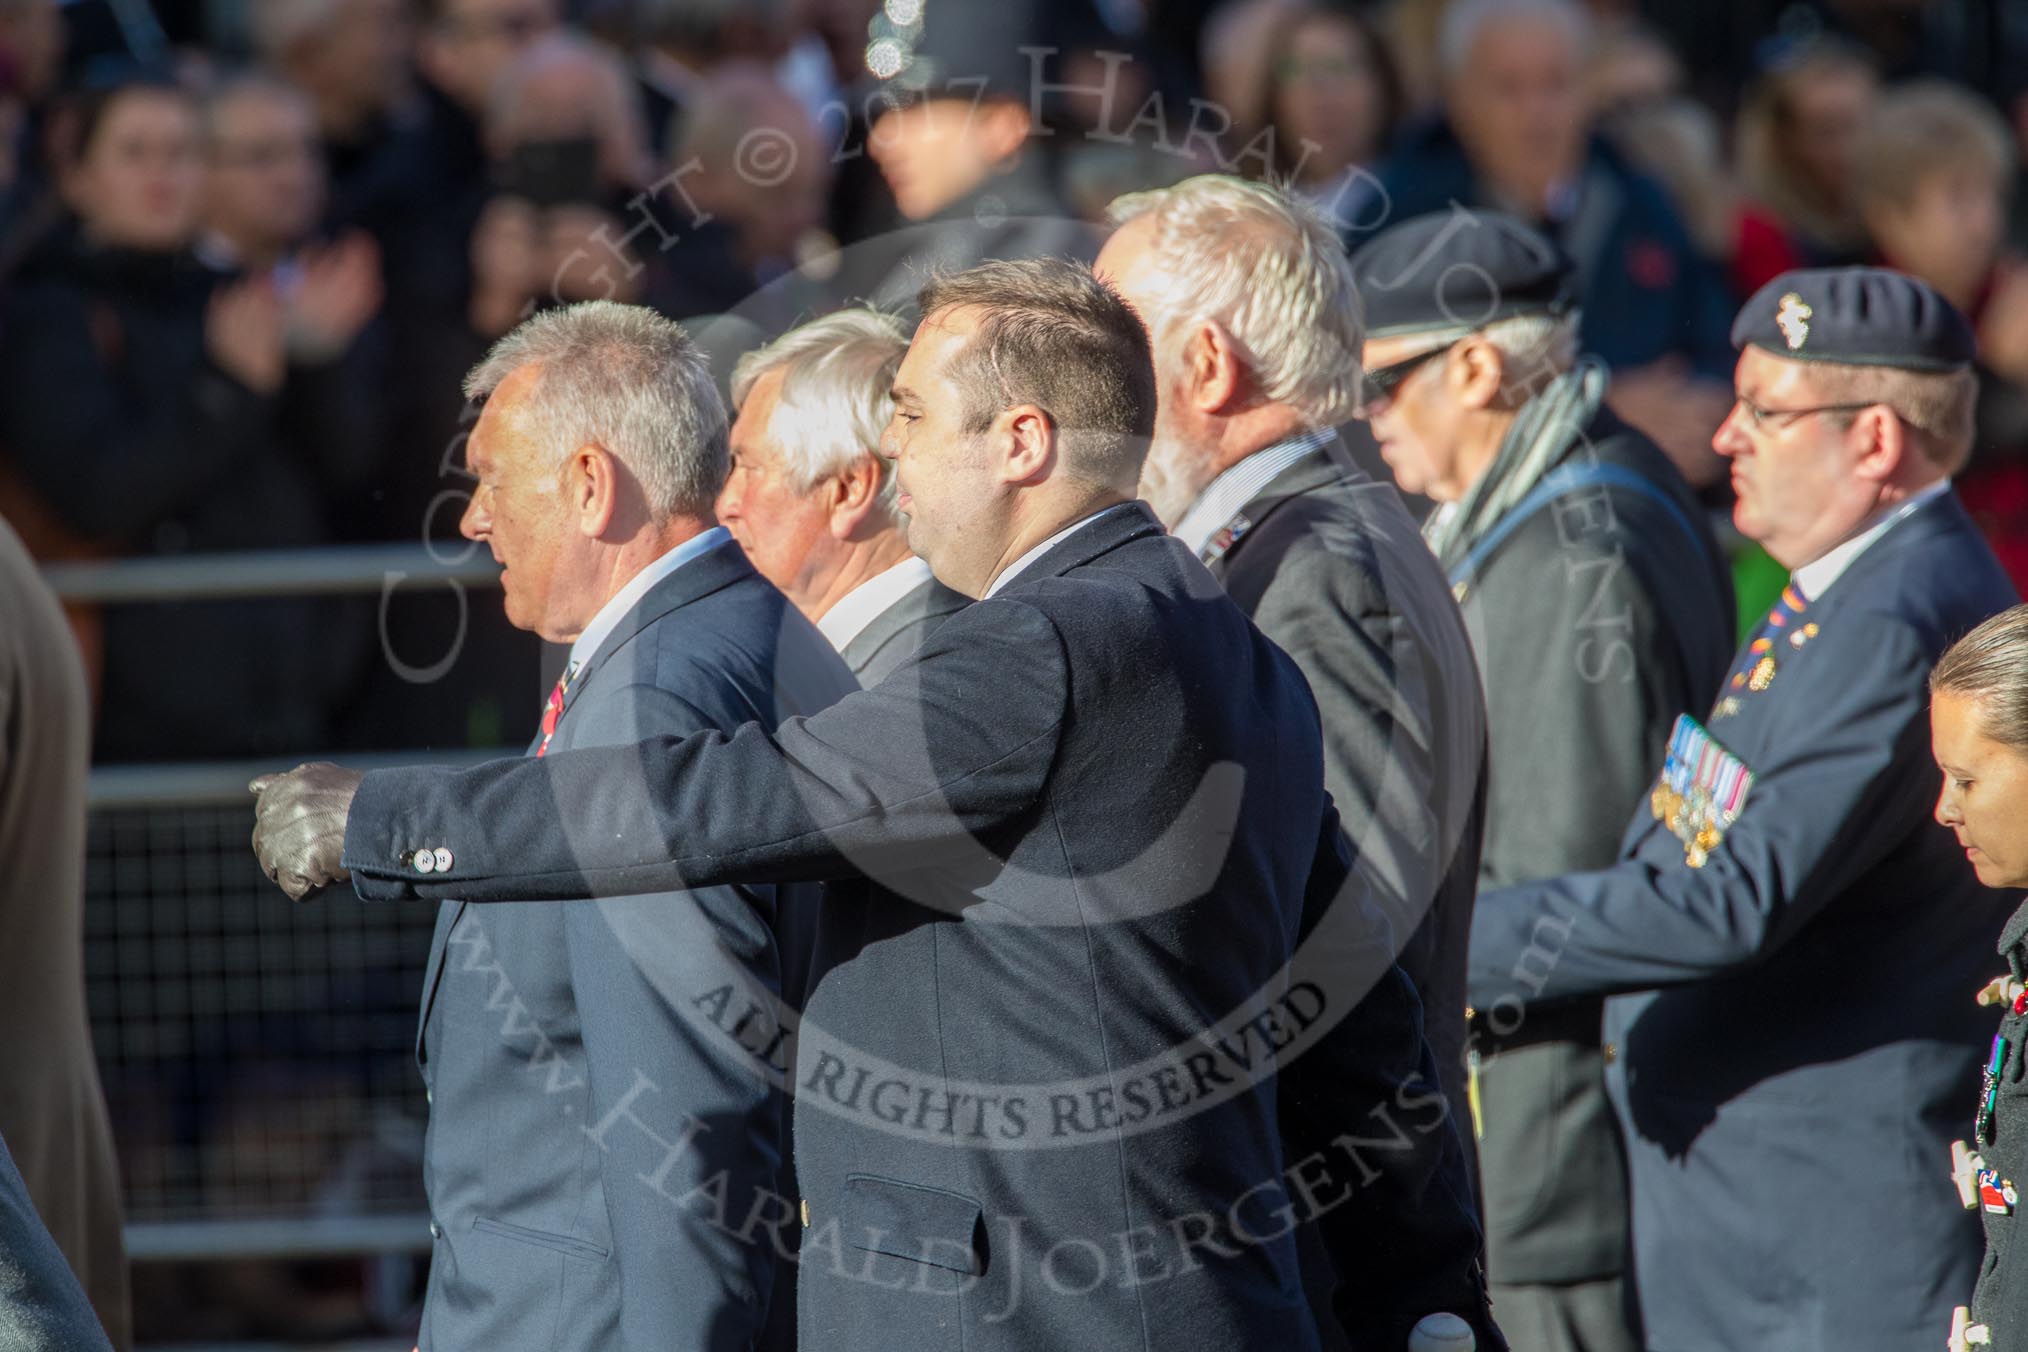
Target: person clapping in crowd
{"type": "Point", "coordinates": [164, 438]}
{"type": "Point", "coordinates": [264, 189]}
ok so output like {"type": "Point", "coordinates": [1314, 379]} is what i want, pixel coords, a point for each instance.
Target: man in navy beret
{"type": "Point", "coordinates": [1789, 942]}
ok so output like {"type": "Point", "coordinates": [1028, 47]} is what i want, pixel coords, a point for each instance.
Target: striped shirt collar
{"type": "Point", "coordinates": [1240, 484]}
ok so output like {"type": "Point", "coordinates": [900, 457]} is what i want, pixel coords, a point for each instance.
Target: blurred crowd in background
{"type": "Point", "coordinates": [249, 247]}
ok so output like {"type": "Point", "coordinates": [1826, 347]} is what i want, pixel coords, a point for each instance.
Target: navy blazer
{"type": "Point", "coordinates": [1036, 1101]}
{"type": "Point", "coordinates": [601, 1097]}
{"type": "Point", "coordinates": [1797, 1042]}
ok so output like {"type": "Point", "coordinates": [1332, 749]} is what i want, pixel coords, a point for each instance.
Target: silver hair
{"type": "Point", "coordinates": [834, 402]}
{"type": "Point", "coordinates": [1270, 270]}
{"type": "Point", "coordinates": [1465, 19]}
{"type": "Point", "coordinates": [1533, 348]}
{"type": "Point", "coordinates": [623, 378]}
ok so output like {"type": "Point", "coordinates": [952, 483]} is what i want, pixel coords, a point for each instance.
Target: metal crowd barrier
{"type": "Point", "coordinates": [257, 1055]}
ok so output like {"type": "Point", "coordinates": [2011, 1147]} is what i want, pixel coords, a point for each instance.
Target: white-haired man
{"type": "Point", "coordinates": [581, 1086]}
{"type": "Point", "coordinates": [811, 499]}
{"type": "Point", "coordinates": [1599, 609]}
{"type": "Point", "coordinates": [1254, 322]}
{"type": "Point", "coordinates": [1516, 136]}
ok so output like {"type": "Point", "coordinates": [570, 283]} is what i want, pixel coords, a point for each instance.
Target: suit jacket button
{"type": "Point", "coordinates": [1612, 1052]}
{"type": "Point", "coordinates": [444, 859]}
{"type": "Point", "coordinates": [436, 1231]}
{"type": "Point", "coordinates": [407, 858]}
{"type": "Point", "coordinates": [806, 1213]}
{"type": "Point", "coordinates": [425, 862]}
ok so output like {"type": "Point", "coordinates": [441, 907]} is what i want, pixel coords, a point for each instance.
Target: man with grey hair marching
{"type": "Point", "coordinates": [1599, 609]}
{"type": "Point", "coordinates": [580, 1092]}
{"type": "Point", "coordinates": [1090, 900]}
{"type": "Point", "coordinates": [811, 499]}
{"type": "Point", "coordinates": [1255, 326]}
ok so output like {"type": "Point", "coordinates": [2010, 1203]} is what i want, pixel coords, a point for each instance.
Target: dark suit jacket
{"type": "Point", "coordinates": [42, 1307]}
{"type": "Point", "coordinates": [1331, 567]}
{"type": "Point", "coordinates": [1084, 821]}
{"type": "Point", "coordinates": [1596, 623]}
{"type": "Point", "coordinates": [895, 633]}
{"type": "Point", "coordinates": [1798, 1041]}
{"type": "Point", "coordinates": [1328, 563]}
{"type": "Point", "coordinates": [593, 1068]}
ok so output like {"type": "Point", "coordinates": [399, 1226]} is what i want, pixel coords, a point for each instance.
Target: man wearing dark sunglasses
{"type": "Point", "coordinates": [1597, 608]}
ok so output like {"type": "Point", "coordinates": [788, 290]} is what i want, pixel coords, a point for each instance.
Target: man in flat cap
{"type": "Point", "coordinates": [1598, 610]}
{"type": "Point", "coordinates": [1790, 943]}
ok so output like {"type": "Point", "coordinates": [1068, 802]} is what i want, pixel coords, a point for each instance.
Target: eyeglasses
{"type": "Point", "coordinates": [1381, 383]}
{"type": "Point", "coordinates": [1766, 419]}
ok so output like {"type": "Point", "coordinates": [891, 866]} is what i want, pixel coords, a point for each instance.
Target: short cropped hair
{"type": "Point", "coordinates": [1990, 665]}
{"type": "Point", "coordinates": [835, 401]}
{"type": "Point", "coordinates": [1936, 407]}
{"type": "Point", "coordinates": [1055, 336]}
{"type": "Point", "coordinates": [1269, 270]}
{"type": "Point", "coordinates": [623, 378]}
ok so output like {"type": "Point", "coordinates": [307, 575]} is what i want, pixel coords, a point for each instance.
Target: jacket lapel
{"type": "Point", "coordinates": [709, 572]}
{"type": "Point", "coordinates": [699, 577]}
{"type": "Point", "coordinates": [1106, 532]}
{"type": "Point", "coordinates": [1318, 469]}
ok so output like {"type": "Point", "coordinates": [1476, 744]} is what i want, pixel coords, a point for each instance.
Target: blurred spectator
{"type": "Point", "coordinates": [141, 416]}
{"type": "Point", "coordinates": [952, 137]}
{"type": "Point", "coordinates": [1798, 127]}
{"type": "Point", "coordinates": [682, 41]}
{"type": "Point", "coordinates": [1630, 66]}
{"type": "Point", "coordinates": [1237, 53]}
{"type": "Point", "coordinates": [31, 60]}
{"type": "Point", "coordinates": [753, 163]}
{"type": "Point", "coordinates": [1332, 97]}
{"type": "Point", "coordinates": [263, 193]}
{"type": "Point", "coordinates": [1933, 169]}
{"type": "Point", "coordinates": [1517, 136]}
{"type": "Point", "coordinates": [860, 204]}
{"type": "Point", "coordinates": [264, 180]}
{"type": "Point", "coordinates": [570, 161]}
{"type": "Point", "coordinates": [440, 184]}
{"type": "Point", "coordinates": [1678, 142]}
{"type": "Point", "coordinates": [351, 58]}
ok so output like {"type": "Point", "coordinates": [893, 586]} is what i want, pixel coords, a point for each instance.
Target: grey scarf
{"type": "Point", "coordinates": [1540, 437]}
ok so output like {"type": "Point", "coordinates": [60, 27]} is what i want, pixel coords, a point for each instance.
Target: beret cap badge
{"type": "Point", "coordinates": [1792, 317]}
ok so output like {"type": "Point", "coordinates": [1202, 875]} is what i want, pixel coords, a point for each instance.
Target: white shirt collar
{"type": "Point", "coordinates": [1241, 482]}
{"type": "Point", "coordinates": [1014, 569]}
{"type": "Point", "coordinates": [870, 600]}
{"type": "Point", "coordinates": [1816, 576]}
{"type": "Point", "coordinates": [639, 585]}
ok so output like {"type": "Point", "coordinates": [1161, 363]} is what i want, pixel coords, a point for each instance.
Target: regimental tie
{"type": "Point", "coordinates": [1784, 626]}
{"type": "Point", "coordinates": [553, 711]}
